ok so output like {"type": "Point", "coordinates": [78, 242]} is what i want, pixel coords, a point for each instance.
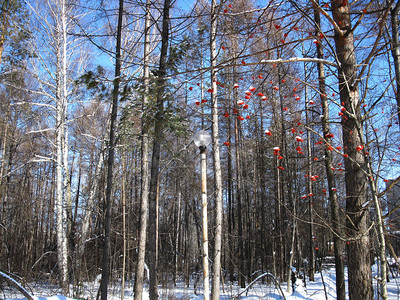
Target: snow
{"type": "Point", "coordinates": [52, 298]}
{"type": "Point", "coordinates": [46, 298]}
{"type": "Point", "coordinates": [321, 289]}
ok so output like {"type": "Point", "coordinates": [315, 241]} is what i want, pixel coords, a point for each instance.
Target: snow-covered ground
{"type": "Point", "coordinates": [321, 289]}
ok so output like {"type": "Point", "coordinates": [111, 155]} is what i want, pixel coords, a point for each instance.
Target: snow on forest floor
{"type": "Point", "coordinates": [321, 289]}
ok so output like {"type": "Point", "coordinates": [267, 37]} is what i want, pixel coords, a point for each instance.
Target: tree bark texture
{"type": "Point", "coordinates": [206, 277]}
{"type": "Point", "coordinates": [110, 162]}
{"type": "Point", "coordinates": [216, 271]}
{"type": "Point", "coordinates": [61, 142]}
{"type": "Point", "coordinates": [394, 20]}
{"type": "Point", "coordinates": [139, 276]}
{"type": "Point", "coordinates": [358, 248]}
{"type": "Point", "coordinates": [332, 192]}
{"type": "Point", "coordinates": [155, 160]}
{"type": "Point", "coordinates": [239, 200]}
{"type": "Point", "coordinates": [311, 229]}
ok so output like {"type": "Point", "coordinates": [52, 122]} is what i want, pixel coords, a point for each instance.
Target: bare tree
{"type": "Point", "coordinates": [139, 278]}
{"type": "Point", "coordinates": [155, 159]}
{"type": "Point", "coordinates": [216, 271]}
{"type": "Point", "coordinates": [395, 48]}
{"type": "Point", "coordinates": [111, 154]}
{"type": "Point", "coordinates": [332, 190]}
{"type": "Point", "coordinates": [360, 276]}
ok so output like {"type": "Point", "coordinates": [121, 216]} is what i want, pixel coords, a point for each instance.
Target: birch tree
{"type": "Point", "coordinates": [216, 270]}
{"type": "Point", "coordinates": [395, 49]}
{"type": "Point", "coordinates": [62, 145]}
{"type": "Point", "coordinates": [56, 21]}
{"type": "Point", "coordinates": [139, 277]}
{"type": "Point", "coordinates": [56, 61]}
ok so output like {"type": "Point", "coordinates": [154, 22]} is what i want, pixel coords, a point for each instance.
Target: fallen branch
{"type": "Point", "coordinates": [15, 284]}
{"type": "Point", "coordinates": [258, 278]}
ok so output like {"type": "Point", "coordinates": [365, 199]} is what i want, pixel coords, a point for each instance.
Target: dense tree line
{"type": "Point", "coordinates": [99, 175]}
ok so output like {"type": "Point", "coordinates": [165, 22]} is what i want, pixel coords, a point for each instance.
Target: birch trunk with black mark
{"type": "Point", "coordinates": [61, 145]}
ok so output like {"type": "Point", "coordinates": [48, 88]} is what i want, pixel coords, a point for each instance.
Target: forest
{"type": "Point", "coordinates": [101, 175]}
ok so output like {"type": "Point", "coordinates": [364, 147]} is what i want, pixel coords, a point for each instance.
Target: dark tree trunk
{"type": "Point", "coordinates": [231, 209]}
{"type": "Point", "coordinates": [311, 229]}
{"type": "Point", "coordinates": [110, 162]}
{"type": "Point", "coordinates": [155, 159]}
{"type": "Point", "coordinates": [239, 194]}
{"type": "Point", "coordinates": [359, 267]}
{"type": "Point", "coordinates": [333, 199]}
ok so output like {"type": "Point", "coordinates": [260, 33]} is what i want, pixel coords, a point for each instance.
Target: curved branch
{"type": "Point", "coordinates": [258, 278]}
{"type": "Point", "coordinates": [15, 284]}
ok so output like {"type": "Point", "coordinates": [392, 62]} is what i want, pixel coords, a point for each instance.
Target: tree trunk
{"type": "Point", "coordinates": [359, 267]}
{"type": "Point", "coordinates": [292, 248]}
{"type": "Point", "coordinates": [394, 19]}
{"type": "Point", "coordinates": [206, 278]}
{"type": "Point", "coordinates": [265, 248]}
{"type": "Point", "coordinates": [123, 225]}
{"type": "Point", "coordinates": [333, 199]}
{"type": "Point", "coordinates": [155, 160]}
{"type": "Point", "coordinates": [177, 233]}
{"type": "Point", "coordinates": [216, 272]}
{"type": "Point", "coordinates": [381, 238]}
{"type": "Point", "coordinates": [61, 142]}
{"type": "Point", "coordinates": [88, 211]}
{"type": "Point", "coordinates": [277, 252]}
{"type": "Point", "coordinates": [239, 194]}
{"type": "Point", "coordinates": [110, 162]}
{"type": "Point", "coordinates": [144, 202]}
{"type": "Point", "coordinates": [231, 210]}
{"type": "Point", "coordinates": [4, 146]}
{"type": "Point", "coordinates": [280, 184]}
{"type": "Point", "coordinates": [311, 269]}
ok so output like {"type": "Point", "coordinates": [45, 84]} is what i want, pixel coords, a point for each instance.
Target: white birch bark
{"type": "Point", "coordinates": [62, 145]}
{"type": "Point", "coordinates": [89, 207]}
{"type": "Point", "coordinates": [381, 238]}
{"type": "Point", "coordinates": [206, 276]}
{"type": "Point", "coordinates": [215, 293]}
{"type": "Point", "coordinates": [139, 276]}
{"type": "Point", "coordinates": [56, 56]}
{"type": "Point", "coordinates": [61, 217]}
